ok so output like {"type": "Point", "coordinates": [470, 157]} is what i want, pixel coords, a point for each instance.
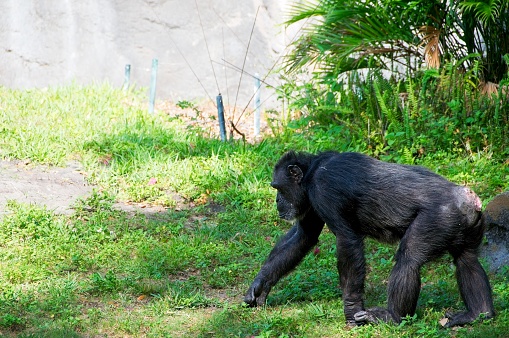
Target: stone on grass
{"type": "Point", "coordinates": [496, 248]}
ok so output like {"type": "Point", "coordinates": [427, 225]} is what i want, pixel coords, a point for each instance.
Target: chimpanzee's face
{"type": "Point", "coordinates": [291, 199]}
{"type": "Point", "coordinates": [286, 209]}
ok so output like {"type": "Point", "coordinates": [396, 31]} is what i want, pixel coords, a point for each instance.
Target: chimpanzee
{"type": "Point", "coordinates": [358, 196]}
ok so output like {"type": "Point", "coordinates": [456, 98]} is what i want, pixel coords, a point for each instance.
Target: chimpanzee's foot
{"type": "Point", "coordinates": [462, 318]}
{"type": "Point", "coordinates": [374, 315]}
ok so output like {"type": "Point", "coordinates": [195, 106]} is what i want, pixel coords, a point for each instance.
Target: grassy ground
{"type": "Point", "coordinates": [101, 272]}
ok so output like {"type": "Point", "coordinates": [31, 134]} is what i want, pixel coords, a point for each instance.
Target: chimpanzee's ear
{"type": "Point", "coordinates": [295, 173]}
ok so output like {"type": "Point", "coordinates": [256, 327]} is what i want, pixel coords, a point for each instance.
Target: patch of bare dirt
{"type": "Point", "coordinates": [56, 188]}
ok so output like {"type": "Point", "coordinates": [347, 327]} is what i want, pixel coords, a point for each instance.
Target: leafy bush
{"type": "Point", "coordinates": [434, 111]}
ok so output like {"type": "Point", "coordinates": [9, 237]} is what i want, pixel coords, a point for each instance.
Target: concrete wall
{"type": "Point", "coordinates": [53, 42]}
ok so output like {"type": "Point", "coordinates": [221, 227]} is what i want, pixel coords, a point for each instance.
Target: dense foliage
{"type": "Point", "coordinates": [397, 35]}
{"type": "Point", "coordinates": [392, 76]}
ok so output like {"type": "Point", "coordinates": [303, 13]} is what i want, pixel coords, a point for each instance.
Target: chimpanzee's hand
{"type": "Point", "coordinates": [257, 293]}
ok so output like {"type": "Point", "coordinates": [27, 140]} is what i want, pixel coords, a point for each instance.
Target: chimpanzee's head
{"type": "Point", "coordinates": [292, 200]}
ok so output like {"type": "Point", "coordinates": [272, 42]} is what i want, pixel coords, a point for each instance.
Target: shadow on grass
{"type": "Point", "coordinates": [51, 333]}
{"type": "Point", "coordinates": [142, 145]}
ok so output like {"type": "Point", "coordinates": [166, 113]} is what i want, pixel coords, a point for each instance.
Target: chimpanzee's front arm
{"type": "Point", "coordinates": [285, 256]}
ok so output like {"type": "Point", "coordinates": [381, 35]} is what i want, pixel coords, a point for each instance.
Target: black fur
{"type": "Point", "coordinates": [359, 196]}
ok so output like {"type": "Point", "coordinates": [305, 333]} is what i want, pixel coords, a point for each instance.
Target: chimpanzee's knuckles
{"type": "Point", "coordinates": [261, 300]}
{"type": "Point", "coordinates": [250, 298]}
{"type": "Point", "coordinates": [255, 295]}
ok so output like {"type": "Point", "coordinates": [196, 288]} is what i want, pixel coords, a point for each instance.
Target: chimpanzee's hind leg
{"type": "Point", "coordinates": [418, 246]}
{"type": "Point", "coordinates": [472, 280]}
{"type": "Point", "coordinates": [474, 288]}
{"type": "Point", "coordinates": [403, 292]}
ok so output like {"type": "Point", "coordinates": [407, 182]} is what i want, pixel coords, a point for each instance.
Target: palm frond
{"type": "Point", "coordinates": [486, 11]}
{"type": "Point", "coordinates": [431, 42]}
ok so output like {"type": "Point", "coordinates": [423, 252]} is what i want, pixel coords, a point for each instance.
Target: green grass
{"type": "Point", "coordinates": [101, 272]}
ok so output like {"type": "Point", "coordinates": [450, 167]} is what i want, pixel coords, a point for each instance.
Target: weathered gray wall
{"type": "Point", "coordinates": [53, 42]}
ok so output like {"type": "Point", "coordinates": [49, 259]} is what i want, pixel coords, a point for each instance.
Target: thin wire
{"type": "Point", "coordinates": [235, 34]}
{"type": "Point", "coordinates": [244, 62]}
{"type": "Point", "coordinates": [238, 69]}
{"type": "Point", "coordinates": [184, 57]}
{"type": "Point", "coordinates": [275, 63]}
{"type": "Point", "coordinates": [207, 45]}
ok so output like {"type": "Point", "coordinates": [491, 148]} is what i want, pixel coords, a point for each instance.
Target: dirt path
{"type": "Point", "coordinates": [56, 188]}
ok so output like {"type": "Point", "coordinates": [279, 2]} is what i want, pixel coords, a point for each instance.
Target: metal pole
{"type": "Point", "coordinates": [153, 81]}
{"type": "Point", "coordinates": [220, 113]}
{"type": "Point", "coordinates": [257, 106]}
{"type": "Point", "coordinates": [127, 76]}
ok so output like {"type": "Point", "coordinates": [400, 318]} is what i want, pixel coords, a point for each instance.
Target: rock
{"type": "Point", "coordinates": [52, 43]}
{"type": "Point", "coordinates": [496, 217]}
